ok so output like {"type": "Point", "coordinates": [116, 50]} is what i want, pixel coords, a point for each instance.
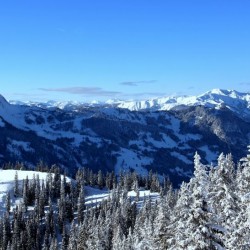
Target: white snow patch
{"type": "Point", "coordinates": [140, 143]}
{"type": "Point", "coordinates": [169, 142]}
{"type": "Point", "coordinates": [175, 125]}
{"type": "Point", "coordinates": [181, 157]}
{"type": "Point", "coordinates": [166, 141]}
{"type": "Point", "coordinates": [95, 140]}
{"type": "Point", "coordinates": [7, 182]}
{"type": "Point", "coordinates": [22, 144]}
{"type": "Point", "coordinates": [15, 147]}
{"type": "Point", "coordinates": [78, 123]}
{"type": "Point", "coordinates": [128, 159]}
{"type": "Point", "coordinates": [181, 172]}
{"type": "Point", "coordinates": [94, 195]}
{"type": "Point", "coordinates": [210, 156]}
{"type": "Point", "coordinates": [188, 137]}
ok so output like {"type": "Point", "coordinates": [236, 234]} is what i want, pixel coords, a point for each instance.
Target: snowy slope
{"type": "Point", "coordinates": [122, 135]}
{"type": "Point", "coordinates": [216, 98]}
{"type": "Point", "coordinates": [93, 195]}
{"type": "Point", "coordinates": [36, 118]}
{"type": "Point", "coordinates": [7, 182]}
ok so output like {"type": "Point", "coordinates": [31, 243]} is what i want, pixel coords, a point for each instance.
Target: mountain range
{"type": "Point", "coordinates": [161, 134]}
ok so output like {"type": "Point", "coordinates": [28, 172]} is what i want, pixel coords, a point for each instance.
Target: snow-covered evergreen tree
{"type": "Point", "coordinates": [16, 187]}
{"type": "Point", "coordinates": [81, 205]}
{"type": "Point", "coordinates": [222, 198]}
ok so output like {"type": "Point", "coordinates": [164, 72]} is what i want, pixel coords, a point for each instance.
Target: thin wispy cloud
{"type": "Point", "coordinates": [94, 91]}
{"type": "Point", "coordinates": [136, 83]}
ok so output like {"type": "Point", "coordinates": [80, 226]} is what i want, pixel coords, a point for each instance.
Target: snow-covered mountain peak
{"type": "Point", "coordinates": [220, 91]}
{"type": "Point", "coordinates": [224, 92]}
{"type": "Point", "coordinates": [215, 98]}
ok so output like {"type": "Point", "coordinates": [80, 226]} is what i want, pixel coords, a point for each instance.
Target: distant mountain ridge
{"type": "Point", "coordinates": [162, 134]}
{"type": "Point", "coordinates": [216, 98]}
{"type": "Point", "coordinates": [213, 98]}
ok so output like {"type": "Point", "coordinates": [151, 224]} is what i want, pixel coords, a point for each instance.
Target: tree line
{"type": "Point", "coordinates": [208, 212]}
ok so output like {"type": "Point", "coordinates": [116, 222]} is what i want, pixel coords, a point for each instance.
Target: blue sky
{"type": "Point", "coordinates": [99, 50]}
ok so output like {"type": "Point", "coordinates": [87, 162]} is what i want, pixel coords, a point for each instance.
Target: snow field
{"type": "Point", "coordinates": [93, 195]}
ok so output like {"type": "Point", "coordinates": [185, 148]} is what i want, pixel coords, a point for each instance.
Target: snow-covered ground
{"type": "Point", "coordinates": [93, 195]}
{"type": "Point", "coordinates": [128, 159]}
{"type": "Point", "coordinates": [7, 183]}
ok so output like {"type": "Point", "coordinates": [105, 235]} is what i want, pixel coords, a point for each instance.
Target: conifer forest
{"type": "Point", "coordinates": [211, 211]}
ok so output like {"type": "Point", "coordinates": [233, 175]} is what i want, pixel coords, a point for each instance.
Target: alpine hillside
{"type": "Point", "coordinates": [161, 134]}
